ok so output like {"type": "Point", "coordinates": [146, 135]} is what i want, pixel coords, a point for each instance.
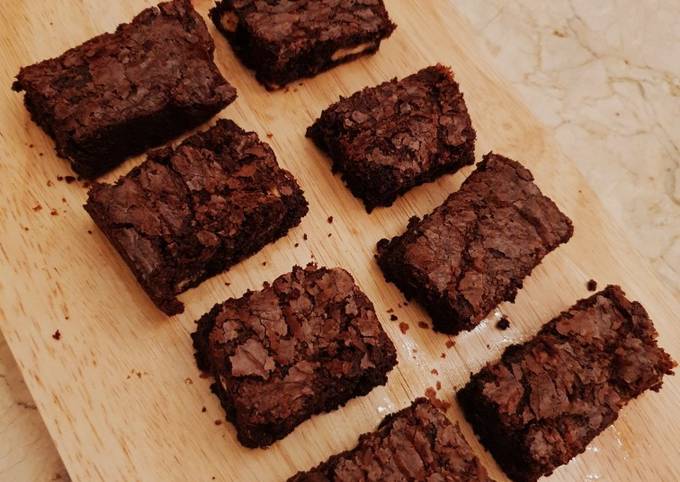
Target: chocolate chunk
{"type": "Point", "coordinates": [305, 344]}
{"type": "Point", "coordinates": [503, 324]}
{"type": "Point", "coordinates": [192, 212]}
{"type": "Point", "coordinates": [120, 93]}
{"type": "Point", "coordinates": [387, 139]}
{"type": "Point", "coordinates": [474, 251]}
{"type": "Point", "coordinates": [283, 41]}
{"type": "Point", "coordinates": [546, 399]}
{"type": "Point", "coordinates": [417, 443]}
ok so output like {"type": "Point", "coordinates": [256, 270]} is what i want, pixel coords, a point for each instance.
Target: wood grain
{"type": "Point", "coordinates": [120, 393]}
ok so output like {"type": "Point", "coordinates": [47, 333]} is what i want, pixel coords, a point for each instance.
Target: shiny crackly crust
{"type": "Point", "coordinates": [474, 251]}
{"type": "Point", "coordinates": [189, 213]}
{"type": "Point", "coordinates": [546, 399]}
{"type": "Point", "coordinates": [283, 40]}
{"type": "Point", "coordinates": [120, 93]}
{"type": "Point", "coordinates": [304, 345]}
{"type": "Point", "coordinates": [416, 443]}
{"type": "Point", "coordinates": [384, 140]}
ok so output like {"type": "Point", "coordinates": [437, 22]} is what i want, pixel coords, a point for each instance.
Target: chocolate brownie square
{"type": "Point", "coordinates": [120, 93]}
{"type": "Point", "coordinates": [416, 443]}
{"type": "Point", "coordinates": [474, 251]}
{"type": "Point", "coordinates": [548, 398]}
{"type": "Point", "coordinates": [188, 213]}
{"type": "Point", "coordinates": [387, 139]}
{"type": "Point", "coordinates": [305, 344]}
{"type": "Point", "coordinates": [284, 40]}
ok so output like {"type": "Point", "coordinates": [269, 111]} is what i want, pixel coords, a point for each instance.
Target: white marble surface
{"type": "Point", "coordinates": [604, 74]}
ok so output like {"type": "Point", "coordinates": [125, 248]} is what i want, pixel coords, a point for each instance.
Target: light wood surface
{"type": "Point", "coordinates": [119, 392]}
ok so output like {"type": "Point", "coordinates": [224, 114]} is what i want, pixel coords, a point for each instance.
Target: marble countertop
{"type": "Point", "coordinates": [603, 75]}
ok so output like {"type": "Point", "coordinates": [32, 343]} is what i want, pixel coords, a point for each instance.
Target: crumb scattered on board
{"type": "Point", "coordinates": [450, 343]}
{"type": "Point", "coordinates": [423, 325]}
{"type": "Point", "coordinates": [431, 394]}
{"type": "Point", "coordinates": [591, 285]}
{"type": "Point", "coordinates": [56, 335]}
{"type": "Point", "coordinates": [503, 324]}
{"type": "Point", "coordinates": [394, 317]}
{"type": "Point", "coordinates": [403, 327]}
{"type": "Point", "coordinates": [330, 219]}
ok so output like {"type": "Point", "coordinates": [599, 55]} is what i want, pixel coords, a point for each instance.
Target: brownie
{"type": "Point", "coordinates": [284, 40]}
{"type": "Point", "coordinates": [120, 93]}
{"type": "Point", "coordinates": [387, 139]}
{"type": "Point", "coordinates": [416, 443]}
{"type": "Point", "coordinates": [474, 251]}
{"type": "Point", "coordinates": [546, 399]}
{"type": "Point", "coordinates": [305, 344]}
{"type": "Point", "coordinates": [188, 213]}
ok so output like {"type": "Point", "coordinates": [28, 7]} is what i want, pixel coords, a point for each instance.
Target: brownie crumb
{"type": "Point", "coordinates": [450, 343]}
{"type": "Point", "coordinates": [188, 381]}
{"type": "Point", "coordinates": [438, 385]}
{"type": "Point", "coordinates": [403, 327]}
{"type": "Point", "coordinates": [423, 325]}
{"type": "Point", "coordinates": [60, 178]}
{"type": "Point", "coordinates": [218, 422]}
{"type": "Point", "coordinates": [330, 234]}
{"type": "Point", "coordinates": [431, 395]}
{"type": "Point", "coordinates": [69, 179]}
{"type": "Point", "coordinates": [391, 310]}
{"type": "Point", "coordinates": [63, 200]}
{"type": "Point", "coordinates": [25, 228]}
{"type": "Point", "coordinates": [56, 335]}
{"type": "Point", "coordinates": [203, 410]}
{"type": "Point", "coordinates": [227, 283]}
{"type": "Point", "coordinates": [503, 324]}
{"type": "Point", "coordinates": [394, 317]}
{"type": "Point", "coordinates": [87, 184]}
{"type": "Point", "coordinates": [54, 212]}
{"type": "Point", "coordinates": [330, 219]}
{"type": "Point", "coordinates": [37, 207]}
{"type": "Point", "coordinates": [296, 245]}
{"type": "Point", "coordinates": [89, 231]}
{"type": "Point", "coordinates": [443, 355]}
{"type": "Point", "coordinates": [591, 285]}
{"type": "Point", "coordinates": [49, 183]}
{"type": "Point", "coordinates": [264, 263]}
{"type": "Point", "coordinates": [270, 135]}
{"type": "Point", "coordinates": [434, 371]}
{"type": "Point", "coordinates": [304, 236]}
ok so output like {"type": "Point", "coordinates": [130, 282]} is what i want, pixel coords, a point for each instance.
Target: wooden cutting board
{"type": "Point", "coordinates": [120, 392]}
